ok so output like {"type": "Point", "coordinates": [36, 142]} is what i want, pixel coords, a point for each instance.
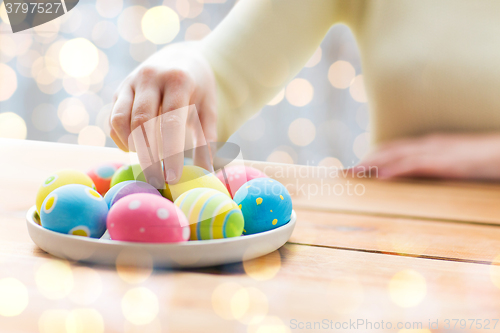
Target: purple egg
{"type": "Point", "coordinates": [125, 188]}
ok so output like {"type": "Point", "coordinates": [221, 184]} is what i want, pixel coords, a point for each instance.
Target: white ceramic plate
{"type": "Point", "coordinates": [189, 254]}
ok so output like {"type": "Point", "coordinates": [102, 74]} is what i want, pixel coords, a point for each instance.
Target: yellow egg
{"type": "Point", "coordinates": [211, 214]}
{"type": "Point", "coordinates": [193, 177]}
{"type": "Point", "coordinates": [58, 179]}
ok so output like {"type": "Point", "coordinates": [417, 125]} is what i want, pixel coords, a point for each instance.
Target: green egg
{"type": "Point", "coordinates": [127, 172]}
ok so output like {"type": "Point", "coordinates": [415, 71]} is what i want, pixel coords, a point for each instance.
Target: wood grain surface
{"type": "Point", "coordinates": [404, 252]}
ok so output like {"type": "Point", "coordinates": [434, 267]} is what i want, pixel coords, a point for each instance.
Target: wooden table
{"type": "Point", "coordinates": [404, 253]}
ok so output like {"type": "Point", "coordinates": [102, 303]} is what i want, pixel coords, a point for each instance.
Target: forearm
{"type": "Point", "coordinates": [258, 48]}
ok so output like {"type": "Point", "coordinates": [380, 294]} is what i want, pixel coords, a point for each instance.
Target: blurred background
{"type": "Point", "coordinates": [57, 81]}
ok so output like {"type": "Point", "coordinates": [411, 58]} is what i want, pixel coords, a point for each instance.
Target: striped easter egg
{"type": "Point", "coordinates": [211, 214]}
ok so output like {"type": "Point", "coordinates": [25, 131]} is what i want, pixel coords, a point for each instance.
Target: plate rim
{"type": "Point", "coordinates": [31, 222]}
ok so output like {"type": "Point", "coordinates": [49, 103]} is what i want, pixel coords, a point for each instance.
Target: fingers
{"type": "Point", "coordinates": [120, 118]}
{"type": "Point", "coordinates": [175, 109]}
{"type": "Point", "coordinates": [145, 126]}
{"type": "Point", "coordinates": [415, 166]}
{"type": "Point", "coordinates": [204, 134]}
{"type": "Point", "coordinates": [391, 153]}
{"type": "Point", "coordinates": [117, 141]}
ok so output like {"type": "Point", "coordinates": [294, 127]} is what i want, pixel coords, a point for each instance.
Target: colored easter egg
{"type": "Point", "coordinates": [147, 218]}
{"type": "Point", "coordinates": [211, 214]}
{"type": "Point", "coordinates": [75, 210]}
{"type": "Point", "coordinates": [265, 204]}
{"type": "Point", "coordinates": [101, 176]}
{"type": "Point", "coordinates": [127, 172]}
{"type": "Point", "coordinates": [128, 187]}
{"type": "Point", "coordinates": [235, 176]}
{"type": "Point", "coordinates": [58, 179]}
{"type": "Point", "coordinates": [193, 177]}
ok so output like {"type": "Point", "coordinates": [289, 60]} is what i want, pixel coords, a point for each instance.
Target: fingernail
{"type": "Point", "coordinates": [170, 175]}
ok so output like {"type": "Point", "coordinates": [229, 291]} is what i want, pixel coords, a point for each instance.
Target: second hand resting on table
{"type": "Point", "coordinates": [452, 156]}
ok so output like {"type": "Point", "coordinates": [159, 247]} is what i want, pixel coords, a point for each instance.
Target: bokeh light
{"type": "Point", "coordinates": [54, 279]}
{"type": "Point", "coordinates": [92, 136]}
{"type": "Point", "coordinates": [160, 24]}
{"type": "Point", "coordinates": [51, 59]}
{"type": "Point", "coordinates": [140, 306]}
{"type": "Point", "coordinates": [73, 115]}
{"type": "Point", "coordinates": [46, 33]}
{"type": "Point", "coordinates": [72, 21]}
{"type": "Point", "coordinates": [299, 92]}
{"type": "Point", "coordinates": [407, 288]}
{"type": "Point", "coordinates": [25, 62]}
{"type": "Point", "coordinates": [79, 57]}
{"type": "Point", "coordinates": [134, 266]}
{"type": "Point", "coordinates": [129, 24]}
{"type": "Point", "coordinates": [189, 8]}
{"type": "Point", "coordinates": [109, 8]}
{"type": "Point", "coordinates": [44, 77]}
{"type": "Point", "coordinates": [279, 156]}
{"type": "Point", "coordinates": [196, 31]}
{"type": "Point", "coordinates": [263, 268]}
{"type": "Point", "coordinates": [98, 75]}
{"type": "Point", "coordinates": [9, 48]}
{"type": "Point", "coordinates": [53, 321]}
{"type": "Point", "coordinates": [357, 89]}
{"type": "Point", "coordinates": [315, 58]}
{"type": "Point", "coordinates": [87, 286]}
{"type": "Point", "coordinates": [13, 297]}
{"type": "Point", "coordinates": [341, 74]}
{"type": "Point", "coordinates": [361, 145]}
{"type": "Point", "coordinates": [331, 162]}
{"type": "Point", "coordinates": [84, 321]}
{"type": "Point", "coordinates": [12, 126]}
{"type": "Point", "coordinates": [249, 305]}
{"type": "Point", "coordinates": [221, 299]}
{"type": "Point", "coordinates": [278, 98]}
{"type": "Point", "coordinates": [8, 82]}
{"type": "Point", "coordinates": [301, 132]}
{"type": "Point", "coordinates": [76, 86]}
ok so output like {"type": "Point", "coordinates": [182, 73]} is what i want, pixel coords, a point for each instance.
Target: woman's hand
{"type": "Point", "coordinates": [167, 84]}
{"type": "Point", "coordinates": [455, 156]}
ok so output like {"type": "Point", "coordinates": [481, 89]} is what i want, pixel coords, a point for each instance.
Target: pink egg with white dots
{"type": "Point", "coordinates": [147, 218]}
{"type": "Point", "coordinates": [235, 176]}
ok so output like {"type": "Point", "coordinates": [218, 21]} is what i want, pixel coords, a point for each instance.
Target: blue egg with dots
{"type": "Point", "coordinates": [265, 204]}
{"type": "Point", "coordinates": [75, 210]}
